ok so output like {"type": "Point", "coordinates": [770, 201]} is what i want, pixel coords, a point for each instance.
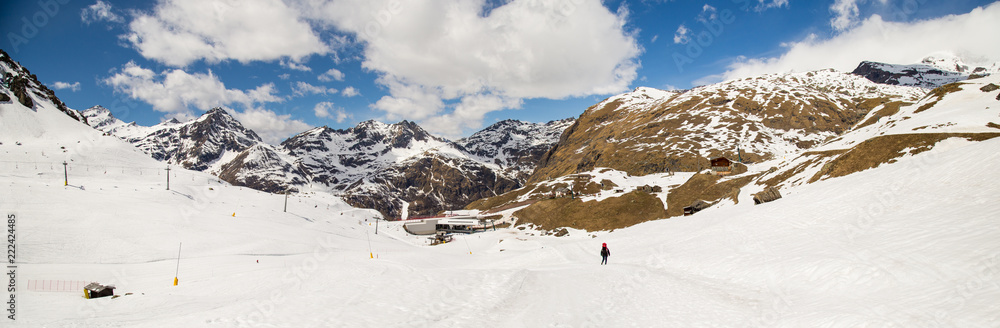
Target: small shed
{"type": "Point", "coordinates": [767, 195]}
{"type": "Point", "coordinates": [95, 290]}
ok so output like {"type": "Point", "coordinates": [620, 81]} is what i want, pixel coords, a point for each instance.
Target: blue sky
{"type": "Point", "coordinates": [453, 66]}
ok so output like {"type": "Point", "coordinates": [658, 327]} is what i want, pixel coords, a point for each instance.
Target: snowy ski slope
{"type": "Point", "coordinates": [912, 243]}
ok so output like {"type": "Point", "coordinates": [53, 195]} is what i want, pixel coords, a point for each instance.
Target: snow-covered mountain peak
{"type": "Point", "coordinates": [372, 125]}
{"type": "Point", "coordinates": [99, 110]}
{"type": "Point", "coordinates": [933, 71]}
{"type": "Point", "coordinates": [219, 119]}
{"type": "Point", "coordinates": [641, 96]}
{"type": "Point", "coordinates": [514, 144]}
{"type": "Point", "coordinates": [946, 61]}
{"type": "Point", "coordinates": [101, 118]}
{"type": "Point", "coordinates": [204, 143]}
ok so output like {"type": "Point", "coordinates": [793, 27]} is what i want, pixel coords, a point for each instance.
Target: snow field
{"type": "Point", "coordinates": [908, 244]}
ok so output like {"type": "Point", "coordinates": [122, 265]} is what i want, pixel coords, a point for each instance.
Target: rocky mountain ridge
{"type": "Point", "coordinates": [932, 72]}
{"type": "Point", "coordinates": [515, 145]}
{"type": "Point", "coordinates": [202, 144]}
{"type": "Point", "coordinates": [752, 119]}
{"type": "Point", "coordinates": [653, 147]}
{"type": "Point", "coordinates": [390, 167]}
{"type": "Point", "coordinates": [25, 88]}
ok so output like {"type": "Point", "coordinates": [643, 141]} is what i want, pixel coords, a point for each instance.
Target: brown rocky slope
{"type": "Point", "coordinates": [859, 128]}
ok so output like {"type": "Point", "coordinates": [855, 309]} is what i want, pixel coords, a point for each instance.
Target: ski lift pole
{"type": "Point", "coordinates": [178, 270]}
{"type": "Point", "coordinates": [371, 254]}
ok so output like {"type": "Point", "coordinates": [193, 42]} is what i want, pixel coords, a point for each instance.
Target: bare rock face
{"type": "Point", "coordinates": [262, 168]}
{"type": "Point", "coordinates": [20, 87]}
{"type": "Point", "coordinates": [429, 184]}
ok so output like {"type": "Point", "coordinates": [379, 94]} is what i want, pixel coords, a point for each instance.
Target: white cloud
{"type": "Point", "coordinates": [179, 32]}
{"type": "Point", "coordinates": [270, 126]}
{"type": "Point", "coordinates": [969, 36]}
{"type": "Point", "coordinates": [847, 14]}
{"type": "Point", "coordinates": [350, 92]}
{"type": "Point", "coordinates": [765, 4]}
{"type": "Point", "coordinates": [708, 13]}
{"type": "Point", "coordinates": [683, 35]}
{"type": "Point", "coordinates": [468, 114]}
{"type": "Point", "coordinates": [301, 89]}
{"type": "Point", "coordinates": [75, 86]}
{"type": "Point", "coordinates": [760, 5]}
{"type": "Point", "coordinates": [100, 11]}
{"type": "Point", "coordinates": [294, 65]}
{"type": "Point", "coordinates": [330, 75]}
{"type": "Point", "coordinates": [409, 101]}
{"type": "Point", "coordinates": [431, 53]}
{"type": "Point", "coordinates": [262, 94]}
{"type": "Point", "coordinates": [177, 92]}
{"type": "Point", "coordinates": [284, 76]}
{"type": "Point", "coordinates": [326, 109]}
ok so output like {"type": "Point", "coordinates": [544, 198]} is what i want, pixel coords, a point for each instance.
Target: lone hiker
{"type": "Point", "coordinates": [605, 253]}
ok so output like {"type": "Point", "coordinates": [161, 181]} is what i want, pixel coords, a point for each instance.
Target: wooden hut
{"type": "Point", "coordinates": [725, 166]}
{"type": "Point", "coordinates": [722, 166]}
{"type": "Point", "coordinates": [95, 290]}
